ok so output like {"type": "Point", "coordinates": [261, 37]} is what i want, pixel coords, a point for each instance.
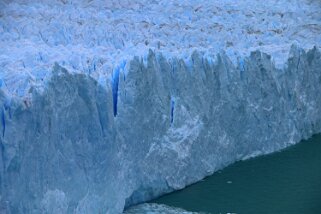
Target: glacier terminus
{"type": "Point", "coordinates": [107, 104]}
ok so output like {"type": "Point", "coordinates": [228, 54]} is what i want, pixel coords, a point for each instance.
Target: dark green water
{"type": "Point", "coordinates": [284, 182]}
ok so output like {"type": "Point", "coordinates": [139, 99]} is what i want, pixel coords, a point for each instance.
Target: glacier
{"type": "Point", "coordinates": [104, 105]}
{"type": "Point", "coordinates": [66, 151]}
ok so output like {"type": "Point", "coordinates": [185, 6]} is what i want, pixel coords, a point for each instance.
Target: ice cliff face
{"type": "Point", "coordinates": [78, 147]}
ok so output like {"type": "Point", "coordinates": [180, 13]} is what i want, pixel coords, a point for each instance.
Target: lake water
{"type": "Point", "coordinates": [284, 182]}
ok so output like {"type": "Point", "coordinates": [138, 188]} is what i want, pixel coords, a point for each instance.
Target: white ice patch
{"type": "Point", "coordinates": [54, 201]}
{"type": "Point", "coordinates": [180, 139]}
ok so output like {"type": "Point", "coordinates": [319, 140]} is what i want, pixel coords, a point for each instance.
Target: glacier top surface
{"type": "Point", "coordinates": [95, 36]}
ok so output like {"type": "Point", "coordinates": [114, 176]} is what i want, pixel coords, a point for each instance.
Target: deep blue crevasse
{"type": "Point", "coordinates": [115, 82]}
{"type": "Point", "coordinates": [172, 109]}
{"type": "Point", "coordinates": [242, 68]}
{"type": "Point", "coordinates": [3, 122]}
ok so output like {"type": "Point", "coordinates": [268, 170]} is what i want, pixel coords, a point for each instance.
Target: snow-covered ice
{"type": "Point", "coordinates": [95, 36]}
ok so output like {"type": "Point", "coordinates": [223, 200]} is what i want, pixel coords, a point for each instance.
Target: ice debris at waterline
{"type": "Point", "coordinates": [64, 150]}
{"type": "Point", "coordinates": [105, 105]}
{"type": "Point", "coordinates": [151, 208]}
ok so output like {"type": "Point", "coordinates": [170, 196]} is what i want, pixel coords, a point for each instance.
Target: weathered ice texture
{"type": "Point", "coordinates": [81, 147]}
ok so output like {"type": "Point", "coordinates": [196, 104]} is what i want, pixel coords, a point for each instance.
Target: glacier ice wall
{"type": "Point", "coordinates": [79, 147]}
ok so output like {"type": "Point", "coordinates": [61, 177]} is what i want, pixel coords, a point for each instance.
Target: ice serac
{"type": "Point", "coordinates": [72, 148]}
